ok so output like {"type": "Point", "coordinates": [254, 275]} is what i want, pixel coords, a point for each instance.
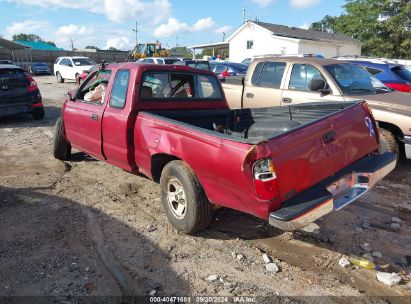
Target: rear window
{"type": "Point", "coordinates": [169, 86]}
{"type": "Point", "coordinates": [268, 74]}
{"type": "Point", "coordinates": [11, 74]}
{"type": "Point", "coordinates": [403, 71]}
{"type": "Point", "coordinates": [83, 61]}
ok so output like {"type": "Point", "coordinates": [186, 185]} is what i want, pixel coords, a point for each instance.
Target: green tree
{"type": "Point", "coordinates": [51, 43]}
{"type": "Point", "coordinates": [27, 37]}
{"type": "Point", "coordinates": [112, 48]}
{"type": "Point", "coordinates": [383, 26]}
{"type": "Point", "coordinates": [91, 47]}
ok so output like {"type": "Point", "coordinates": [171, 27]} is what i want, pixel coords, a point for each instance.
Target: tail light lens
{"type": "Point", "coordinates": [399, 87]}
{"type": "Point", "coordinates": [225, 74]}
{"type": "Point", "coordinates": [32, 84]}
{"type": "Point", "coordinates": [265, 179]}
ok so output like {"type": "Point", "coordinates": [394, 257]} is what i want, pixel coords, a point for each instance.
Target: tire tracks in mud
{"type": "Point", "coordinates": [128, 285]}
{"type": "Point", "coordinates": [301, 255]}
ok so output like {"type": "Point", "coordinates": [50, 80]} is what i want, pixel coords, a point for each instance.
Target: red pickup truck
{"type": "Point", "coordinates": [288, 165]}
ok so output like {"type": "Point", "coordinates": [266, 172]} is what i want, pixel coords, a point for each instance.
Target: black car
{"type": "Point", "coordinates": [19, 93]}
{"type": "Point", "coordinates": [197, 64]}
{"type": "Point", "coordinates": [39, 68]}
{"type": "Point", "coordinates": [227, 68]}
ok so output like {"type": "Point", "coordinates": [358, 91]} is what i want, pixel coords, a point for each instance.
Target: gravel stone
{"type": "Point", "coordinates": [390, 279]}
{"type": "Point", "coordinates": [272, 267]}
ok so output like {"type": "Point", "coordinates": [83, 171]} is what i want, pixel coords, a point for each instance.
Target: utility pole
{"type": "Point", "coordinates": [223, 36]}
{"type": "Point", "coordinates": [136, 30]}
{"type": "Point", "coordinates": [72, 44]}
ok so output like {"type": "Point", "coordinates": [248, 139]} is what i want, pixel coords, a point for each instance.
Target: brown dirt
{"type": "Point", "coordinates": [80, 228]}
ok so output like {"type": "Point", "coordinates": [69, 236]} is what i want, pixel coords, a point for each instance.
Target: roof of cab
{"type": "Point", "coordinates": [156, 67]}
{"type": "Point", "coordinates": [316, 60]}
{"type": "Point", "coordinates": [9, 66]}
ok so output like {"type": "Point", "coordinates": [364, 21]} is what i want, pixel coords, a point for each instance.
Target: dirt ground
{"type": "Point", "coordinates": [86, 228]}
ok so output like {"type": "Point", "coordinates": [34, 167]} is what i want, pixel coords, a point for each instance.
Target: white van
{"type": "Point", "coordinates": [71, 67]}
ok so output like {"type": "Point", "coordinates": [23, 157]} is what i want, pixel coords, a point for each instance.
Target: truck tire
{"type": "Point", "coordinates": [62, 148]}
{"type": "Point", "coordinates": [38, 114]}
{"type": "Point", "coordinates": [60, 79]}
{"type": "Point", "coordinates": [388, 142]}
{"type": "Point", "coordinates": [183, 198]}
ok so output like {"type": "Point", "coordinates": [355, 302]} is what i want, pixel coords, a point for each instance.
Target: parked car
{"type": "Point", "coordinates": [247, 61]}
{"type": "Point", "coordinates": [19, 93]}
{"type": "Point", "coordinates": [38, 68]}
{"type": "Point", "coordinates": [227, 68]}
{"type": "Point", "coordinates": [394, 76]}
{"type": "Point", "coordinates": [152, 60]}
{"type": "Point", "coordinates": [6, 62]}
{"type": "Point", "coordinates": [71, 67]}
{"type": "Point", "coordinates": [289, 166]}
{"type": "Point", "coordinates": [197, 64]}
{"type": "Point", "coordinates": [281, 81]}
{"type": "Point", "coordinates": [172, 60]}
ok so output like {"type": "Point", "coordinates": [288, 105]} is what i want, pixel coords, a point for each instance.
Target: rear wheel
{"type": "Point", "coordinates": [62, 148]}
{"type": "Point", "coordinates": [183, 198]}
{"type": "Point", "coordinates": [388, 142]}
{"type": "Point", "coordinates": [59, 78]}
{"type": "Point", "coordinates": [38, 114]}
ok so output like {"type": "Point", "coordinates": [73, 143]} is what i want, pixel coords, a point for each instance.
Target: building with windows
{"type": "Point", "coordinates": [255, 38]}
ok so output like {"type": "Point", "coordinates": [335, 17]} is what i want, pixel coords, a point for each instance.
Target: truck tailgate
{"type": "Point", "coordinates": [314, 152]}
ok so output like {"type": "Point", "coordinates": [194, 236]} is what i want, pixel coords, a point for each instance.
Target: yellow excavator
{"type": "Point", "coordinates": [149, 49]}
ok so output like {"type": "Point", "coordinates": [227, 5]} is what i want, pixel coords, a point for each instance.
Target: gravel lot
{"type": "Point", "coordinates": [87, 228]}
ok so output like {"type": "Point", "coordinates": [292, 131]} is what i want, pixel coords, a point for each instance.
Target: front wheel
{"type": "Point", "coordinates": [183, 198]}
{"type": "Point", "coordinates": [60, 79]}
{"type": "Point", "coordinates": [62, 148]}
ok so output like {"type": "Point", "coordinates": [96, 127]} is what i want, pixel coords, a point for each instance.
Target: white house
{"type": "Point", "coordinates": [256, 38]}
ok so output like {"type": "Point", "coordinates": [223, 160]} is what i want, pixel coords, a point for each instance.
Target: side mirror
{"type": "Point", "coordinates": [71, 96]}
{"type": "Point", "coordinates": [319, 85]}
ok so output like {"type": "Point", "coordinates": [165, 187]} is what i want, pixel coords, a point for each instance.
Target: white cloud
{"type": "Point", "coordinates": [72, 29]}
{"type": "Point", "coordinates": [262, 3]}
{"type": "Point", "coordinates": [22, 27]}
{"type": "Point", "coordinates": [223, 29]}
{"type": "Point", "coordinates": [304, 26]}
{"type": "Point", "coordinates": [203, 24]}
{"type": "Point", "coordinates": [303, 3]}
{"type": "Point", "coordinates": [174, 27]}
{"type": "Point", "coordinates": [120, 43]}
{"type": "Point", "coordinates": [115, 10]}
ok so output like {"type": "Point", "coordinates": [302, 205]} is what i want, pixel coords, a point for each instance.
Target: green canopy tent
{"type": "Point", "coordinates": [21, 55]}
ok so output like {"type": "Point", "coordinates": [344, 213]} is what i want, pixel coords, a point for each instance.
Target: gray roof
{"type": "Point", "coordinates": [294, 32]}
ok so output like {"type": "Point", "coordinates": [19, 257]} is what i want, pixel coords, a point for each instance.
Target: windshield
{"type": "Point", "coordinates": [353, 80]}
{"type": "Point", "coordinates": [83, 61]}
{"type": "Point", "coordinates": [404, 72]}
{"type": "Point", "coordinates": [39, 64]}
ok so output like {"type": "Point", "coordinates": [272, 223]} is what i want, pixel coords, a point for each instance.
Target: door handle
{"type": "Point", "coordinates": [249, 95]}
{"type": "Point", "coordinates": [94, 117]}
{"type": "Point", "coordinates": [287, 100]}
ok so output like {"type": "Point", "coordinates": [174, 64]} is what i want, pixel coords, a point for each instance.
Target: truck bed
{"type": "Point", "coordinates": [252, 126]}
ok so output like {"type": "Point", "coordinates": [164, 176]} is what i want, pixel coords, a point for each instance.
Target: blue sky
{"type": "Point", "coordinates": [105, 23]}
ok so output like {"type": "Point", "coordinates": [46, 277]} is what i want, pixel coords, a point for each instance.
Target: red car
{"type": "Point", "coordinates": [288, 165]}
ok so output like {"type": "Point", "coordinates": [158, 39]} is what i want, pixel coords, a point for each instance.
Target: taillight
{"type": "Point", "coordinates": [225, 74]}
{"type": "Point", "coordinates": [265, 179]}
{"type": "Point", "coordinates": [402, 87]}
{"type": "Point", "coordinates": [32, 84]}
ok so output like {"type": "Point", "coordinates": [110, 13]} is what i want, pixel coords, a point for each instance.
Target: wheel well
{"type": "Point", "coordinates": [395, 131]}
{"type": "Point", "coordinates": [158, 162]}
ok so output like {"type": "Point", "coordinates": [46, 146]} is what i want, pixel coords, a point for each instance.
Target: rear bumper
{"type": "Point", "coordinates": [407, 144]}
{"type": "Point", "coordinates": [334, 193]}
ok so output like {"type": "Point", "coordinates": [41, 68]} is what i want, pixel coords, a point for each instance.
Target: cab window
{"type": "Point", "coordinates": [94, 88]}
{"type": "Point", "coordinates": [269, 74]}
{"type": "Point", "coordinates": [164, 86]}
{"type": "Point", "coordinates": [119, 90]}
{"type": "Point", "coordinates": [301, 76]}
